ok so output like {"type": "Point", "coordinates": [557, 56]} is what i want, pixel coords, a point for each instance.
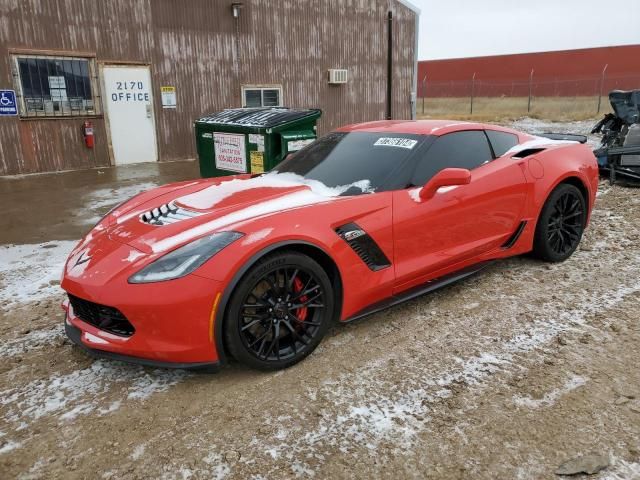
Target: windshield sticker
{"type": "Point", "coordinates": [396, 142]}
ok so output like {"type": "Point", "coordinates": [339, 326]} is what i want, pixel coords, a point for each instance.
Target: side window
{"type": "Point", "coordinates": [468, 149]}
{"type": "Point", "coordinates": [502, 142]}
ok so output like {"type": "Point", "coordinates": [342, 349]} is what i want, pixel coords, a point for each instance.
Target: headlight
{"type": "Point", "coordinates": [186, 259]}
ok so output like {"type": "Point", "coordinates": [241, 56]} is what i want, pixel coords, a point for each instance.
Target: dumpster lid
{"type": "Point", "coordinates": [259, 117]}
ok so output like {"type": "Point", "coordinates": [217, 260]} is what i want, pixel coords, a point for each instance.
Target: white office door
{"type": "Point", "coordinates": [129, 106]}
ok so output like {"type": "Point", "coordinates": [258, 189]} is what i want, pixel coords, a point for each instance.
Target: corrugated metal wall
{"type": "Point", "coordinates": [198, 47]}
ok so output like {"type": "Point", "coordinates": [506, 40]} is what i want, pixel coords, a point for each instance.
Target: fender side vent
{"type": "Point", "coordinates": [511, 241]}
{"type": "Point", "coordinates": [364, 246]}
{"type": "Point", "coordinates": [528, 152]}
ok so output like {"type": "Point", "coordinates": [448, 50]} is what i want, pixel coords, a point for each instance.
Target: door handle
{"type": "Point", "coordinates": [148, 110]}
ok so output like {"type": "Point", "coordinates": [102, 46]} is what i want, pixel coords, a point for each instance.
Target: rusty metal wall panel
{"type": "Point", "coordinates": [204, 52]}
{"type": "Point", "coordinates": [195, 53]}
{"type": "Point", "coordinates": [117, 29]}
{"type": "Point", "coordinates": [405, 66]}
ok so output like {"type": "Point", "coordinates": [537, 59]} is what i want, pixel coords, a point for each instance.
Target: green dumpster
{"type": "Point", "coordinates": [252, 140]}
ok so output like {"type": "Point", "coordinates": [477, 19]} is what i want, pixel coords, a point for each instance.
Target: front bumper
{"type": "Point", "coordinates": [173, 321]}
{"type": "Point", "coordinates": [75, 335]}
{"type": "Point", "coordinates": [168, 323]}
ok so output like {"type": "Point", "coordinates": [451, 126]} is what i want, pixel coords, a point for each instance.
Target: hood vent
{"type": "Point", "coordinates": [167, 214]}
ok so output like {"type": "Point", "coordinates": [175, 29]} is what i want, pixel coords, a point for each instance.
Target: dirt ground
{"type": "Point", "coordinates": [505, 375]}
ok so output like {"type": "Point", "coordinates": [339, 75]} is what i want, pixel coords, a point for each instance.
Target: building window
{"type": "Point", "coordinates": [56, 86]}
{"type": "Point", "coordinates": [269, 96]}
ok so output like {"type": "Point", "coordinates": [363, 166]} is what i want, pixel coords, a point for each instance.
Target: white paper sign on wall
{"type": "Point", "coordinates": [168, 96]}
{"type": "Point", "coordinates": [230, 152]}
{"type": "Point", "coordinates": [58, 88]}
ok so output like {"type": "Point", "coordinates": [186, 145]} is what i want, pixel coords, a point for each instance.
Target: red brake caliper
{"type": "Point", "coordinates": [297, 287]}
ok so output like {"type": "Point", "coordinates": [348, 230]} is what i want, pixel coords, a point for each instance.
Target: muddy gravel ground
{"type": "Point", "coordinates": [505, 375]}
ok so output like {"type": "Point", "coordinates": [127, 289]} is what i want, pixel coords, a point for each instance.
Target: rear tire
{"type": "Point", "coordinates": [561, 224]}
{"type": "Point", "coordinates": [279, 311]}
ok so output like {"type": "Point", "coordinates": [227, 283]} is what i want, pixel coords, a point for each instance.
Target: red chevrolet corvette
{"type": "Point", "coordinates": [258, 267]}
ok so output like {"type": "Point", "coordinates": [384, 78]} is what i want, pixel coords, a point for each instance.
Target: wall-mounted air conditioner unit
{"type": "Point", "coordinates": [337, 75]}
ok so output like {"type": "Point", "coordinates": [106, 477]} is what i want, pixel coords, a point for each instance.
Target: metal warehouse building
{"type": "Point", "coordinates": [559, 73]}
{"type": "Point", "coordinates": [141, 71]}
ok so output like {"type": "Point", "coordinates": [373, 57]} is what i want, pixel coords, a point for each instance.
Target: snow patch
{"type": "Point", "coordinates": [9, 446]}
{"type": "Point", "coordinates": [29, 272]}
{"type": "Point", "coordinates": [370, 418]}
{"type": "Point", "coordinates": [31, 341]}
{"type": "Point", "coordinates": [299, 470]}
{"type": "Point", "coordinates": [448, 125]}
{"type": "Point", "coordinates": [622, 470]}
{"type": "Point", "coordinates": [133, 256]}
{"type": "Point", "coordinates": [414, 193]}
{"type": "Point", "coordinates": [220, 469]}
{"type": "Point", "coordinates": [538, 142]}
{"type": "Point", "coordinates": [256, 236]}
{"type": "Point", "coordinates": [534, 126]}
{"type": "Point", "coordinates": [84, 391]}
{"type": "Point", "coordinates": [551, 397]}
{"type": "Point", "coordinates": [294, 200]}
{"type": "Point", "coordinates": [137, 452]}
{"type": "Point", "coordinates": [209, 197]}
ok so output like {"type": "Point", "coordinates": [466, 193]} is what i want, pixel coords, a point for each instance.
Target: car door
{"type": "Point", "coordinates": [458, 223]}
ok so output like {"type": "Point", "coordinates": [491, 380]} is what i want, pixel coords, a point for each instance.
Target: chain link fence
{"type": "Point", "coordinates": [557, 98]}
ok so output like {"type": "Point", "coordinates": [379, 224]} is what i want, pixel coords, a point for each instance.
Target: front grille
{"type": "Point", "coordinates": [105, 318]}
{"type": "Point", "coordinates": [167, 214]}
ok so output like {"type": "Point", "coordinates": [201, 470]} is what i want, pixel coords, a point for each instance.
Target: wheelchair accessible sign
{"type": "Point", "coordinates": [8, 105]}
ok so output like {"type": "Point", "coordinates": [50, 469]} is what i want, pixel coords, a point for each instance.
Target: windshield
{"type": "Point", "coordinates": [363, 159]}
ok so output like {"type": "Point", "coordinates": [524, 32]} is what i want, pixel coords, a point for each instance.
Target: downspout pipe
{"type": "Point", "coordinates": [389, 64]}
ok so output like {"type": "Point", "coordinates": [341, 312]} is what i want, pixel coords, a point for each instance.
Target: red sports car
{"type": "Point", "coordinates": [258, 267]}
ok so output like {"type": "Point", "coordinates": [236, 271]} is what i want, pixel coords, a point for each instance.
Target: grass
{"type": "Point", "coordinates": [496, 109]}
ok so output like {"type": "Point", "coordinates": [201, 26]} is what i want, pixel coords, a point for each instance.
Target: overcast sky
{"type": "Point", "coordinates": [469, 28]}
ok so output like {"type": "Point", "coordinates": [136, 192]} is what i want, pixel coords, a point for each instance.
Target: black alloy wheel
{"type": "Point", "coordinates": [279, 312]}
{"type": "Point", "coordinates": [561, 224]}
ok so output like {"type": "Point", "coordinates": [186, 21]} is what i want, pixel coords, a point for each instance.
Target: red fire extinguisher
{"type": "Point", "coordinates": [87, 131]}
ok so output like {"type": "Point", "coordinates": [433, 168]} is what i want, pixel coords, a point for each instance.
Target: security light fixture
{"type": "Point", "coordinates": [235, 8]}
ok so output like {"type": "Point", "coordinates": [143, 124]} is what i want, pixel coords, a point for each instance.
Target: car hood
{"type": "Point", "coordinates": [211, 206]}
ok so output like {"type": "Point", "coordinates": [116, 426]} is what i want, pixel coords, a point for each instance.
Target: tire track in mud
{"type": "Point", "coordinates": [375, 411]}
{"type": "Point", "coordinates": [356, 401]}
{"type": "Point", "coordinates": [510, 317]}
{"type": "Point", "coordinates": [81, 392]}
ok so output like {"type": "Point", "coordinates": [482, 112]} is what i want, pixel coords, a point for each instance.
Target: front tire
{"type": "Point", "coordinates": [279, 311]}
{"type": "Point", "coordinates": [561, 224]}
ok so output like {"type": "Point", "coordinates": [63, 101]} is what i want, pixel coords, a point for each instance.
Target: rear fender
{"type": "Point", "coordinates": [574, 163]}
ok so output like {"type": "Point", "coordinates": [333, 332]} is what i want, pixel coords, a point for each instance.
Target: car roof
{"type": "Point", "coordinates": [421, 127]}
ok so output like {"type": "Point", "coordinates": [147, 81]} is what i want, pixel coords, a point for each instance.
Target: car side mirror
{"type": "Point", "coordinates": [448, 177]}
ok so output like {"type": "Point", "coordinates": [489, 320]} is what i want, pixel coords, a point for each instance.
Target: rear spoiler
{"type": "Point", "coordinates": [570, 137]}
